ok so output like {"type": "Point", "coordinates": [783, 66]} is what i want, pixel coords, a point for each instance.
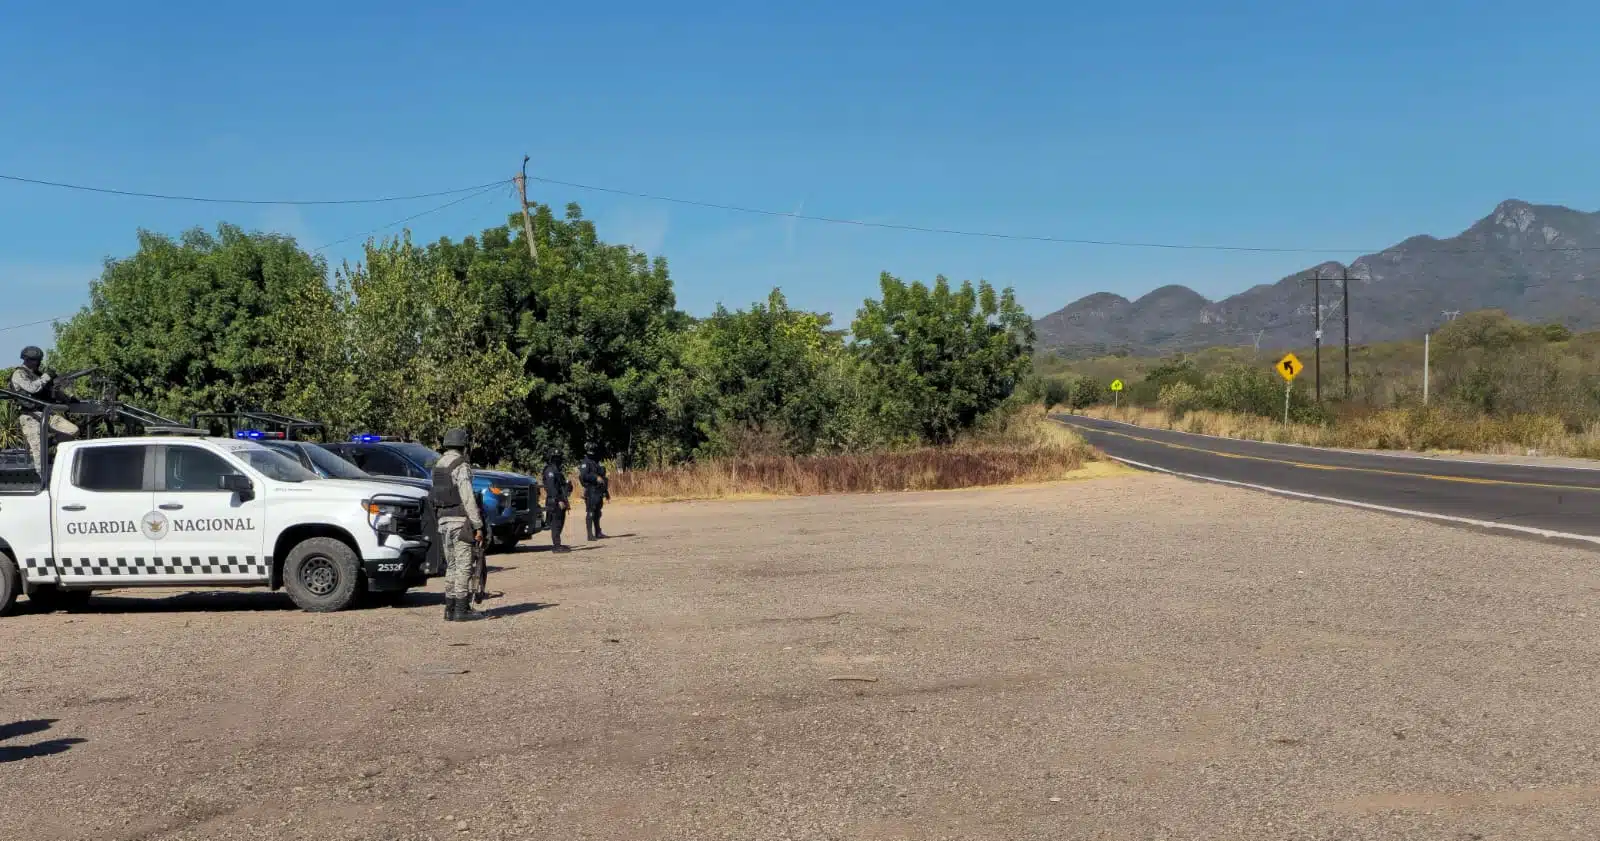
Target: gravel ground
{"type": "Point", "coordinates": [1128, 658]}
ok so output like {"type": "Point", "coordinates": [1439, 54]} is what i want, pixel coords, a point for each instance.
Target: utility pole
{"type": "Point", "coordinates": [527, 221]}
{"type": "Point", "coordinates": [1316, 292]}
{"type": "Point", "coordinates": [1346, 287]}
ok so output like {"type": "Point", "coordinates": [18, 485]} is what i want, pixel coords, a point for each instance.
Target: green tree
{"type": "Point", "coordinates": [595, 326]}
{"type": "Point", "coordinates": [223, 321]}
{"type": "Point", "coordinates": [767, 379]}
{"type": "Point", "coordinates": [416, 360]}
{"type": "Point", "coordinates": [941, 359]}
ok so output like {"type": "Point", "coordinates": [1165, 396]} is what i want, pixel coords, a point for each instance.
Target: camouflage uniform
{"type": "Point", "coordinates": [457, 521]}
{"type": "Point", "coordinates": [36, 384]}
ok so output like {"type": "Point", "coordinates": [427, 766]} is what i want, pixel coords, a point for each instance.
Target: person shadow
{"type": "Point", "coordinates": [29, 727]}
{"type": "Point", "coordinates": [509, 610]}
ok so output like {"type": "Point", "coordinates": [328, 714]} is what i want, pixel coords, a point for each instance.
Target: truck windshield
{"type": "Point", "coordinates": [335, 467]}
{"type": "Point", "coordinates": [422, 456]}
{"type": "Point", "coordinates": [275, 466]}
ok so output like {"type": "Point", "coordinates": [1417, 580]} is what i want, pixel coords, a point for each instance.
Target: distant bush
{"type": "Point", "coordinates": [1181, 398]}
{"type": "Point", "coordinates": [1178, 369]}
{"type": "Point", "coordinates": [1057, 391]}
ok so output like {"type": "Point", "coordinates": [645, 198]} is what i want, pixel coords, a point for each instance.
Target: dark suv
{"type": "Point", "coordinates": [510, 500]}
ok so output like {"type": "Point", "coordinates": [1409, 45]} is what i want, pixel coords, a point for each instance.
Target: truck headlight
{"type": "Point", "coordinates": [381, 516]}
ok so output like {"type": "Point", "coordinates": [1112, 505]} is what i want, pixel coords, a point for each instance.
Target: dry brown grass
{"type": "Point", "coordinates": [1414, 429]}
{"type": "Point", "coordinates": [1029, 448]}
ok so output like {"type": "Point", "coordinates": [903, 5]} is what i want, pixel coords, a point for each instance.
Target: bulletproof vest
{"type": "Point", "coordinates": [587, 474]}
{"type": "Point", "coordinates": [446, 497]}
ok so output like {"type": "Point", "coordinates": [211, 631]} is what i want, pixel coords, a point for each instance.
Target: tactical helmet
{"type": "Point", "coordinates": [553, 455]}
{"type": "Point", "coordinates": [32, 354]}
{"type": "Point", "coordinates": [590, 449]}
{"type": "Point", "coordinates": [455, 439]}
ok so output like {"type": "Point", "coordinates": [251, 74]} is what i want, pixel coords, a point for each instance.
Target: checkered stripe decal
{"type": "Point", "coordinates": [136, 567]}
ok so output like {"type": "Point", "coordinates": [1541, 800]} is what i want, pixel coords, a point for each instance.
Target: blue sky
{"type": "Point", "coordinates": [1344, 125]}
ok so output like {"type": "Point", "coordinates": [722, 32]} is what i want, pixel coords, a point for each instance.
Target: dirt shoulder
{"type": "Point", "coordinates": [1135, 657]}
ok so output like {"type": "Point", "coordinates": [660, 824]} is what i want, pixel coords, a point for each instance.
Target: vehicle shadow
{"type": "Point", "coordinates": [16, 729]}
{"type": "Point", "coordinates": [207, 601]}
{"type": "Point", "coordinates": [239, 601]}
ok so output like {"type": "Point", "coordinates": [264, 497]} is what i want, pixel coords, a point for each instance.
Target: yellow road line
{"type": "Point", "coordinates": [1469, 480]}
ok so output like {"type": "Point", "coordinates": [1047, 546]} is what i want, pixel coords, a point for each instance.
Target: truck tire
{"type": "Point", "coordinates": [505, 541]}
{"type": "Point", "coordinates": [322, 575]}
{"type": "Point", "coordinates": [48, 598]}
{"type": "Point", "coordinates": [10, 584]}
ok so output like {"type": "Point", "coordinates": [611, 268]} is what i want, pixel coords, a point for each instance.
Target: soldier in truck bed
{"type": "Point", "coordinates": [29, 380]}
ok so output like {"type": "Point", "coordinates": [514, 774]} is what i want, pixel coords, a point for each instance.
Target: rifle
{"type": "Point", "coordinates": [59, 384]}
{"type": "Point", "coordinates": [480, 568]}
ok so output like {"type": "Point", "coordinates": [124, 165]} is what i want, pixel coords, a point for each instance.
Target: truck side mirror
{"type": "Point", "coordinates": [236, 483]}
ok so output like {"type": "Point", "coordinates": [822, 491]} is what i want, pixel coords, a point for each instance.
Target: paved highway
{"type": "Point", "coordinates": [1552, 502]}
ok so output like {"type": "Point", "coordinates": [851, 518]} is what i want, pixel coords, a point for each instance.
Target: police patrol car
{"type": "Point", "coordinates": [189, 510]}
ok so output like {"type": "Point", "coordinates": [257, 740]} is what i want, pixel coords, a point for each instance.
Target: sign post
{"type": "Point", "coordinates": [1288, 367]}
{"type": "Point", "coordinates": [1116, 394]}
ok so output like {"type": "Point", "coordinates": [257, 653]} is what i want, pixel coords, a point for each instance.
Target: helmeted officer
{"type": "Point", "coordinates": [29, 380]}
{"type": "Point", "coordinates": [460, 524]}
{"type": "Point", "coordinates": [596, 490]}
{"type": "Point", "coordinates": [556, 491]}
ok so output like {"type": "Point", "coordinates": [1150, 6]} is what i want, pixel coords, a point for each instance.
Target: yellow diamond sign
{"type": "Point", "coordinates": [1289, 367]}
{"type": "Point", "coordinates": [1116, 385]}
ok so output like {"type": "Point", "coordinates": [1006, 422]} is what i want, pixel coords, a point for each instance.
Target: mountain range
{"type": "Point", "coordinates": [1539, 263]}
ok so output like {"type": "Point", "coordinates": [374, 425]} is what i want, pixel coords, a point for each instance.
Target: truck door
{"type": "Point", "coordinates": [102, 507]}
{"type": "Point", "coordinates": [211, 534]}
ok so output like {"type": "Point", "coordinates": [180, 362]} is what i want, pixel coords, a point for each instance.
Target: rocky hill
{"type": "Point", "coordinates": [1540, 263]}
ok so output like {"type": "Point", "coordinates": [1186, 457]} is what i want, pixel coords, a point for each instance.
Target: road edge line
{"type": "Point", "coordinates": [1380, 453]}
{"type": "Point", "coordinates": [1386, 509]}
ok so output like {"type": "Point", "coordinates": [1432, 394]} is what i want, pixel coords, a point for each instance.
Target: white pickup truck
{"type": "Point", "coordinates": [192, 512]}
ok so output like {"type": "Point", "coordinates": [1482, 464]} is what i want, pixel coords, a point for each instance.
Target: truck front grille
{"type": "Point", "coordinates": [412, 523]}
{"type": "Point", "coordinates": [522, 498]}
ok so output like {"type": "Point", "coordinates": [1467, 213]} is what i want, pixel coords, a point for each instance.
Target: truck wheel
{"type": "Point", "coordinates": [506, 542]}
{"type": "Point", "coordinates": [49, 598]}
{"type": "Point", "coordinates": [321, 575]}
{"type": "Point", "coordinates": [10, 584]}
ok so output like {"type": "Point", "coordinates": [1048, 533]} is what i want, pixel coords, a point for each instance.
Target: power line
{"type": "Point", "coordinates": [468, 197]}
{"type": "Point", "coordinates": [950, 231]}
{"type": "Point", "coordinates": [1007, 236]}
{"type": "Point", "coordinates": [484, 190]}
{"type": "Point", "coordinates": [211, 200]}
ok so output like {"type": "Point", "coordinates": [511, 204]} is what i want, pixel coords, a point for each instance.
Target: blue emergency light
{"type": "Point", "coordinates": [257, 435]}
{"type": "Point", "coordinates": [366, 438]}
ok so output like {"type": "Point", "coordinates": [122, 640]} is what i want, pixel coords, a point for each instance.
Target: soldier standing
{"type": "Point", "coordinates": [29, 380]}
{"type": "Point", "coordinates": [596, 490]}
{"type": "Point", "coordinates": [556, 491]}
{"type": "Point", "coordinates": [460, 524]}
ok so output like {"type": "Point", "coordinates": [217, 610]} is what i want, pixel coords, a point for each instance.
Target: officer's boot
{"type": "Point", "coordinates": [465, 611]}
{"type": "Point", "coordinates": [450, 608]}
{"type": "Point", "coordinates": [588, 527]}
{"type": "Point", "coordinates": [598, 534]}
{"type": "Point", "coordinates": [555, 542]}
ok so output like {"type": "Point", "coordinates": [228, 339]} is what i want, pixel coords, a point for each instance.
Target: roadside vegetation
{"type": "Point", "coordinates": [1497, 385]}
{"type": "Point", "coordinates": [1019, 447]}
{"type": "Point", "coordinates": [931, 385]}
